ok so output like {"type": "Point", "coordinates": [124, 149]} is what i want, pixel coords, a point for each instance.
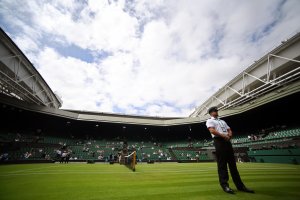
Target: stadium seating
{"type": "Point", "coordinates": [290, 155]}
{"type": "Point", "coordinates": [182, 154]}
{"type": "Point", "coordinates": [47, 145]}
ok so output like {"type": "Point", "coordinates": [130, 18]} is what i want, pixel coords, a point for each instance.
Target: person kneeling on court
{"type": "Point", "coordinates": [222, 134]}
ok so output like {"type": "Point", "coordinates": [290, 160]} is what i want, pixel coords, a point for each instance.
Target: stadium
{"type": "Point", "coordinates": [47, 152]}
{"type": "Point", "coordinates": [34, 128]}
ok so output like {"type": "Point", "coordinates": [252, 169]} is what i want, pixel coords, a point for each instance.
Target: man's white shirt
{"type": "Point", "coordinates": [219, 124]}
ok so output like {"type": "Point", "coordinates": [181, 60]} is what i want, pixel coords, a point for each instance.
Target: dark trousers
{"type": "Point", "coordinates": [225, 155]}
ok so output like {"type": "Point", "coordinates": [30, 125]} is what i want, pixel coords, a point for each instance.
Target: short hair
{"type": "Point", "coordinates": [212, 109]}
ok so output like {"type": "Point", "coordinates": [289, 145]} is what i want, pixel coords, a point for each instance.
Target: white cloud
{"type": "Point", "coordinates": [156, 58]}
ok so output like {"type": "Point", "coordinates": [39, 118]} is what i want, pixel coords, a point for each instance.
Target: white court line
{"type": "Point", "coordinates": [84, 172]}
{"type": "Point", "coordinates": [262, 168]}
{"type": "Point", "coordinates": [36, 168]}
{"type": "Point", "coordinates": [152, 170]}
{"type": "Point", "coordinates": [249, 168]}
{"type": "Point", "coordinates": [58, 172]}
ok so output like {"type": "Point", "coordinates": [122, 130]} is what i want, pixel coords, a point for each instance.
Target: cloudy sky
{"type": "Point", "coordinates": [155, 57]}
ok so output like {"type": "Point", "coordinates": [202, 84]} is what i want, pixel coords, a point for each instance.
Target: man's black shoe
{"type": "Point", "coordinates": [228, 190]}
{"type": "Point", "coordinates": [244, 189]}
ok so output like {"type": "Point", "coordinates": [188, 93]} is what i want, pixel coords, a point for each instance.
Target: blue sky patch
{"type": "Point", "coordinates": [75, 52]}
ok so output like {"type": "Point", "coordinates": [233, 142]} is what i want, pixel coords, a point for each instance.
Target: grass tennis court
{"type": "Point", "coordinates": [156, 181]}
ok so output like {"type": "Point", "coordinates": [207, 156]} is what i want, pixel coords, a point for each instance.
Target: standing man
{"type": "Point", "coordinates": [222, 134]}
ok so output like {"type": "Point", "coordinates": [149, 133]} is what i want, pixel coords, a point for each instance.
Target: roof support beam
{"type": "Point", "coordinates": [219, 100]}
{"type": "Point", "coordinates": [235, 91]}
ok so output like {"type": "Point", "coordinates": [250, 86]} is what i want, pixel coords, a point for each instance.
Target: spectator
{"type": "Point", "coordinates": [67, 158]}
{"type": "Point", "coordinates": [63, 157]}
{"type": "Point", "coordinates": [27, 155]}
{"type": "Point", "coordinates": [4, 157]}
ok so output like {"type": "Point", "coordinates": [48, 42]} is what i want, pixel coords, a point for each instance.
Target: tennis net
{"type": "Point", "coordinates": [130, 160]}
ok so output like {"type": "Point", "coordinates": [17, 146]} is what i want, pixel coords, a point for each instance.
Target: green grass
{"type": "Point", "coordinates": [157, 181]}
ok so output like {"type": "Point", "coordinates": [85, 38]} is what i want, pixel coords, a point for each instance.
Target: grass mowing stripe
{"type": "Point", "coordinates": [158, 181]}
{"type": "Point", "coordinates": [38, 168]}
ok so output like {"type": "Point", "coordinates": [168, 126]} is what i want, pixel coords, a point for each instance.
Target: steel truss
{"type": "Point", "coordinates": [268, 85]}
{"type": "Point", "coordinates": [13, 85]}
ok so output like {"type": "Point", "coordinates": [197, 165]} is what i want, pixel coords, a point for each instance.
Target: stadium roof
{"type": "Point", "coordinates": [276, 81]}
{"type": "Point", "coordinates": [20, 79]}
{"type": "Point", "coordinates": [277, 68]}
